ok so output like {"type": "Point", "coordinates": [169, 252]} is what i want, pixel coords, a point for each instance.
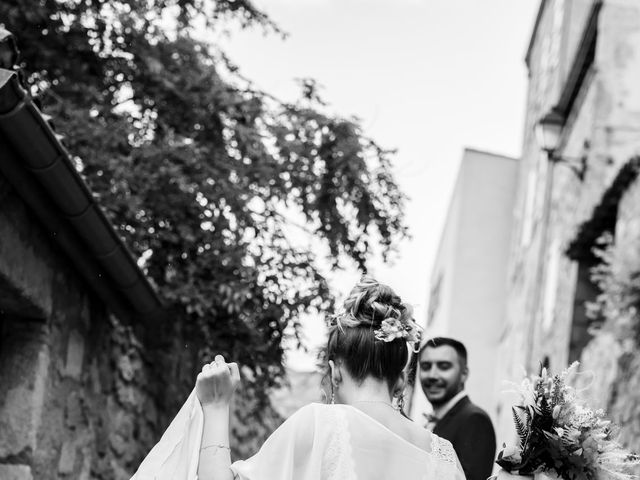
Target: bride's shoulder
{"type": "Point", "coordinates": [416, 434]}
{"type": "Point", "coordinates": [442, 449]}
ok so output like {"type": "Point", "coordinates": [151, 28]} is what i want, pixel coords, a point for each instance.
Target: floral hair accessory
{"type": "Point", "coordinates": [392, 328]}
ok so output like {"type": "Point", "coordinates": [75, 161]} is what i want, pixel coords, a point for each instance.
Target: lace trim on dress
{"type": "Point", "coordinates": [337, 461]}
{"type": "Point", "coordinates": [442, 449]}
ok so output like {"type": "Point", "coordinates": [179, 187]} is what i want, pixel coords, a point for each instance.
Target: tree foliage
{"type": "Point", "coordinates": [205, 176]}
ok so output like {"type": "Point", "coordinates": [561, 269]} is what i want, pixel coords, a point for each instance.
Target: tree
{"type": "Point", "coordinates": [200, 171]}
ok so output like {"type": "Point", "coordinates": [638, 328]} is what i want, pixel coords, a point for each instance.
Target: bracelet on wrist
{"type": "Point", "coordinates": [216, 445]}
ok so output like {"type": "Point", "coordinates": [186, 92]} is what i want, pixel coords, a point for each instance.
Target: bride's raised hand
{"type": "Point", "coordinates": [216, 382]}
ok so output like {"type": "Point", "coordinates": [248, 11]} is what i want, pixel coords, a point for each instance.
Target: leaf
{"type": "Point", "coordinates": [522, 420]}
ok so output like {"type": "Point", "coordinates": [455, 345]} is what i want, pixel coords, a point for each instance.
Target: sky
{"type": "Point", "coordinates": [426, 77]}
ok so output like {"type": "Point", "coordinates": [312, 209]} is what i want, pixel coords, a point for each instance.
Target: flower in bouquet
{"type": "Point", "coordinates": [558, 433]}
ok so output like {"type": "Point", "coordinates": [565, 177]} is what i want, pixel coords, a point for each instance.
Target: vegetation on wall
{"type": "Point", "coordinates": [618, 309]}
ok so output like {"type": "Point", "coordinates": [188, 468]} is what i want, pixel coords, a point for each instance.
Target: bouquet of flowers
{"type": "Point", "coordinates": [559, 434]}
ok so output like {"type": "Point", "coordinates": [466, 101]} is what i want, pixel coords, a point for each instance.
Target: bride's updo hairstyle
{"type": "Point", "coordinates": [352, 337]}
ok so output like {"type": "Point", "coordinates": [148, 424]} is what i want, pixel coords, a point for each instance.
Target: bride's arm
{"type": "Point", "coordinates": [215, 386]}
{"type": "Point", "coordinates": [215, 457]}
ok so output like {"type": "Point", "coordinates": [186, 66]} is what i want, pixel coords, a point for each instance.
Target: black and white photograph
{"type": "Point", "coordinates": [319, 239]}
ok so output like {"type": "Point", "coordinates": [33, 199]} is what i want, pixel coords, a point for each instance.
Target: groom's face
{"type": "Point", "coordinates": [442, 375]}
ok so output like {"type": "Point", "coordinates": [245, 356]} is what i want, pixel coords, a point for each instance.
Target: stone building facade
{"type": "Point", "coordinates": [584, 70]}
{"type": "Point", "coordinates": [76, 400]}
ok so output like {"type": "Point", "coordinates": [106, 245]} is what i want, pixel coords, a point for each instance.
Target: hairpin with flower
{"type": "Point", "coordinates": [390, 328]}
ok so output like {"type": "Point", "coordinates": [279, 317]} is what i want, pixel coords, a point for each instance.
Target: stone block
{"type": "Point", "coordinates": [15, 472]}
{"type": "Point", "coordinates": [17, 429]}
{"type": "Point", "coordinates": [94, 377]}
{"type": "Point", "coordinates": [122, 423]}
{"type": "Point", "coordinates": [126, 368]}
{"type": "Point", "coordinates": [128, 395]}
{"type": "Point", "coordinates": [118, 444]}
{"type": "Point", "coordinates": [23, 375]}
{"type": "Point", "coordinates": [151, 412]}
{"type": "Point", "coordinates": [74, 412]}
{"type": "Point", "coordinates": [117, 472]}
{"type": "Point", "coordinates": [147, 434]}
{"type": "Point", "coordinates": [85, 471]}
{"type": "Point", "coordinates": [67, 461]}
{"type": "Point", "coordinates": [75, 356]}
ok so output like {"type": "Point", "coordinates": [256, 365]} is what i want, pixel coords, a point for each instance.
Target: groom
{"type": "Point", "coordinates": [443, 371]}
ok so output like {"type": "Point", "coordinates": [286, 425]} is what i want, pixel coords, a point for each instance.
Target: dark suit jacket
{"type": "Point", "coordinates": [471, 433]}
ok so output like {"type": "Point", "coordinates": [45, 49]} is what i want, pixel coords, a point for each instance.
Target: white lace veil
{"type": "Point", "coordinates": [318, 442]}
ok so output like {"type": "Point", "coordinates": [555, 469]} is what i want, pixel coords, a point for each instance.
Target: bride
{"type": "Point", "coordinates": [359, 435]}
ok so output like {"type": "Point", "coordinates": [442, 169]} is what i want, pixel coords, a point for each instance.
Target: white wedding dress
{"type": "Point", "coordinates": [318, 442]}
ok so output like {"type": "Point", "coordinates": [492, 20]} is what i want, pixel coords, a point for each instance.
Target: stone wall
{"type": "Point", "coordinates": [603, 127]}
{"type": "Point", "coordinates": [75, 393]}
{"type": "Point", "coordinates": [612, 359]}
{"type": "Point", "coordinates": [80, 396]}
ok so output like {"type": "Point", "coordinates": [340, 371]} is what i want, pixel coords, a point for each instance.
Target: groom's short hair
{"type": "Point", "coordinates": [457, 345]}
